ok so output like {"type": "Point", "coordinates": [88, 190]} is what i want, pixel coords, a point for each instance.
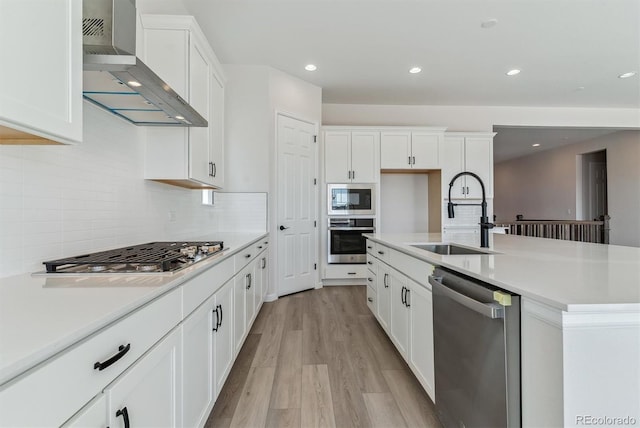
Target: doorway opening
{"type": "Point", "coordinates": [591, 186]}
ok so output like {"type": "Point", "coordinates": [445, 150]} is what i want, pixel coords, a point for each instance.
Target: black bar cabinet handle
{"type": "Point", "coordinates": [125, 415]}
{"type": "Point", "coordinates": [215, 170]}
{"type": "Point", "coordinates": [402, 296]}
{"type": "Point", "coordinates": [220, 315]}
{"type": "Point", "coordinates": [122, 350]}
{"type": "Point", "coordinates": [215, 328]}
{"type": "Point", "coordinates": [406, 297]}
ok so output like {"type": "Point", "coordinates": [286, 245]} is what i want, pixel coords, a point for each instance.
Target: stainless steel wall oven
{"type": "Point", "coordinates": [346, 243]}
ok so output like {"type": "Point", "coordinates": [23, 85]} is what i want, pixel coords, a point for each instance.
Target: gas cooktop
{"type": "Point", "coordinates": [153, 257]}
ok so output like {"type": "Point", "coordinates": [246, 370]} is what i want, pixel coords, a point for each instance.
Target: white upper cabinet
{"type": "Point", "coordinates": [411, 149]}
{"type": "Point", "coordinates": [176, 49]}
{"type": "Point", "coordinates": [41, 71]}
{"type": "Point", "coordinates": [351, 157]}
{"type": "Point", "coordinates": [472, 152]}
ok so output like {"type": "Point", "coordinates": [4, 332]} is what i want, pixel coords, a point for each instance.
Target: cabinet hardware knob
{"type": "Point", "coordinates": [247, 255]}
{"type": "Point", "coordinates": [381, 252]}
{"type": "Point", "coordinates": [370, 279]}
{"type": "Point", "coordinates": [122, 350]}
{"type": "Point", "coordinates": [283, 227]}
{"type": "Point", "coordinates": [370, 299]}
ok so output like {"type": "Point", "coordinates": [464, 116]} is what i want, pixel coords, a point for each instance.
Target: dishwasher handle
{"type": "Point", "coordinates": [489, 310]}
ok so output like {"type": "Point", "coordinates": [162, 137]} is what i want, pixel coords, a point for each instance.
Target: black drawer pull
{"type": "Point", "coordinates": [369, 263]}
{"type": "Point", "coordinates": [370, 279]}
{"type": "Point", "coordinates": [121, 351]}
{"type": "Point", "coordinates": [369, 248]}
{"type": "Point", "coordinates": [351, 273]}
{"type": "Point", "coordinates": [220, 322]}
{"type": "Point", "coordinates": [247, 255]}
{"type": "Point", "coordinates": [125, 415]}
{"type": "Point", "coordinates": [381, 252]}
{"type": "Point", "coordinates": [259, 247]}
{"type": "Point", "coordinates": [370, 299]}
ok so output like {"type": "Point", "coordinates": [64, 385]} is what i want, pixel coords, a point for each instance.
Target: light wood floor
{"type": "Point", "coordinates": [320, 359]}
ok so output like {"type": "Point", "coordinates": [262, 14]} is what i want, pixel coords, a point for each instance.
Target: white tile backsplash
{"type": "Point", "coordinates": [58, 201]}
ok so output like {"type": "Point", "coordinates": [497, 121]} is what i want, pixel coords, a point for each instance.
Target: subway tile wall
{"type": "Point", "coordinates": [236, 212]}
{"type": "Point", "coordinates": [58, 201]}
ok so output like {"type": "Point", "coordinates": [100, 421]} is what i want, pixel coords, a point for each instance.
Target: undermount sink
{"type": "Point", "coordinates": [450, 249]}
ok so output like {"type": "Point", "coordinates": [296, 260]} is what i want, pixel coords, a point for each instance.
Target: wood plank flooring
{"type": "Point", "coordinates": [320, 359]}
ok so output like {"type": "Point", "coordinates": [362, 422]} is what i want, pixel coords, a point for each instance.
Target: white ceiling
{"type": "Point", "coordinates": [513, 142]}
{"type": "Point", "coordinates": [364, 48]}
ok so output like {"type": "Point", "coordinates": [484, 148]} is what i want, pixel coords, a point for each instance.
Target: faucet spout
{"type": "Point", "coordinates": [484, 220]}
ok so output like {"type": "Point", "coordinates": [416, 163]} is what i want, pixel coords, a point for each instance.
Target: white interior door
{"type": "Point", "coordinates": [296, 205]}
{"type": "Point", "coordinates": [597, 189]}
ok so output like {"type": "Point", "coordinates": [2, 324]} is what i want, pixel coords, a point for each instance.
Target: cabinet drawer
{"type": "Point", "coordinates": [59, 387]}
{"type": "Point", "coordinates": [416, 269]}
{"type": "Point", "coordinates": [372, 264]}
{"type": "Point", "coordinates": [245, 256]}
{"type": "Point", "coordinates": [371, 298]}
{"type": "Point", "coordinates": [371, 247]}
{"type": "Point", "coordinates": [382, 253]}
{"type": "Point", "coordinates": [198, 289]}
{"type": "Point", "coordinates": [346, 272]}
{"type": "Point", "coordinates": [371, 278]}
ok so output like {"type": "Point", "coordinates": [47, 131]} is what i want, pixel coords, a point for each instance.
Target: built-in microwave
{"type": "Point", "coordinates": [351, 199]}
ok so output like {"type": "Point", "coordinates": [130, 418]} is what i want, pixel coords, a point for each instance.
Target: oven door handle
{"type": "Point", "coordinates": [352, 228]}
{"type": "Point", "coordinates": [489, 310]}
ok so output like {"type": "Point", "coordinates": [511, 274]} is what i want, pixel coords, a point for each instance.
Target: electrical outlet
{"type": "Point", "coordinates": [172, 216]}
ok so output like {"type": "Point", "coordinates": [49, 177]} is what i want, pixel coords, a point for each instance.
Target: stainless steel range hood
{"type": "Point", "coordinates": [116, 80]}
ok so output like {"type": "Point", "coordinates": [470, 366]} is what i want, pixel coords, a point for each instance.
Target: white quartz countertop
{"type": "Point", "coordinates": [571, 276]}
{"type": "Point", "coordinates": [42, 315]}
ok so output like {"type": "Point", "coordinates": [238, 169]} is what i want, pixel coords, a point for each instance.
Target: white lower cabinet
{"type": "Point", "coordinates": [421, 336]}
{"type": "Point", "coordinates": [405, 309]}
{"type": "Point", "coordinates": [198, 390]}
{"type": "Point", "coordinates": [148, 393]}
{"type": "Point", "coordinates": [223, 349]}
{"type": "Point", "coordinates": [384, 296]}
{"type": "Point", "coordinates": [399, 313]}
{"type": "Point", "coordinates": [239, 310]}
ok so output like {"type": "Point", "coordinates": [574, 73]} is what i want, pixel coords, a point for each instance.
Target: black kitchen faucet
{"type": "Point", "coordinates": [484, 220]}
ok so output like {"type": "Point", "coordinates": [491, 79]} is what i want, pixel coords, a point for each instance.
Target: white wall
{"type": "Point", "coordinates": [247, 128]}
{"type": "Point", "coordinates": [255, 94]}
{"type": "Point", "coordinates": [476, 118]}
{"type": "Point", "coordinates": [544, 185]}
{"type": "Point", "coordinates": [58, 201]}
{"type": "Point", "coordinates": [398, 192]}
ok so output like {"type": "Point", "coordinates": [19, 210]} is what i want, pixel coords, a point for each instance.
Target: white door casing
{"type": "Point", "coordinates": [296, 206]}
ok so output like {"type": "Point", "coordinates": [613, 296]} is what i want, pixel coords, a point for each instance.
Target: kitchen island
{"type": "Point", "coordinates": [580, 320]}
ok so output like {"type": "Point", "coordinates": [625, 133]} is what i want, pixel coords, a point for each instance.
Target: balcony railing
{"type": "Point", "coordinates": [572, 230]}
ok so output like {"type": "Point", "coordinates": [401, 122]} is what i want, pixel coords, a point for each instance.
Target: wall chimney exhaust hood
{"type": "Point", "coordinates": [116, 80]}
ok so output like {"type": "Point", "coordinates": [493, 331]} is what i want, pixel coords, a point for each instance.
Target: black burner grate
{"type": "Point", "coordinates": [163, 254]}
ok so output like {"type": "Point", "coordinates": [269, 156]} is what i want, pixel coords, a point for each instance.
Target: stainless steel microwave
{"type": "Point", "coordinates": [351, 199]}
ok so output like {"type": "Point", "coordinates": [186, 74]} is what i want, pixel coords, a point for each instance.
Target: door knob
{"type": "Point", "coordinates": [283, 227]}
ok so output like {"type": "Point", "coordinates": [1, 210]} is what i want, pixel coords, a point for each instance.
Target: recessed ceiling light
{"type": "Point", "coordinates": [513, 72]}
{"type": "Point", "coordinates": [536, 145]}
{"type": "Point", "coordinates": [629, 74]}
{"type": "Point", "coordinates": [310, 67]}
{"type": "Point", "coordinates": [489, 23]}
{"type": "Point", "coordinates": [414, 70]}
{"type": "Point", "coordinates": [134, 83]}
{"type": "Point", "coordinates": [180, 117]}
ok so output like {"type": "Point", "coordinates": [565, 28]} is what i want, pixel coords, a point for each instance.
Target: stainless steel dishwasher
{"type": "Point", "coordinates": [476, 329]}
